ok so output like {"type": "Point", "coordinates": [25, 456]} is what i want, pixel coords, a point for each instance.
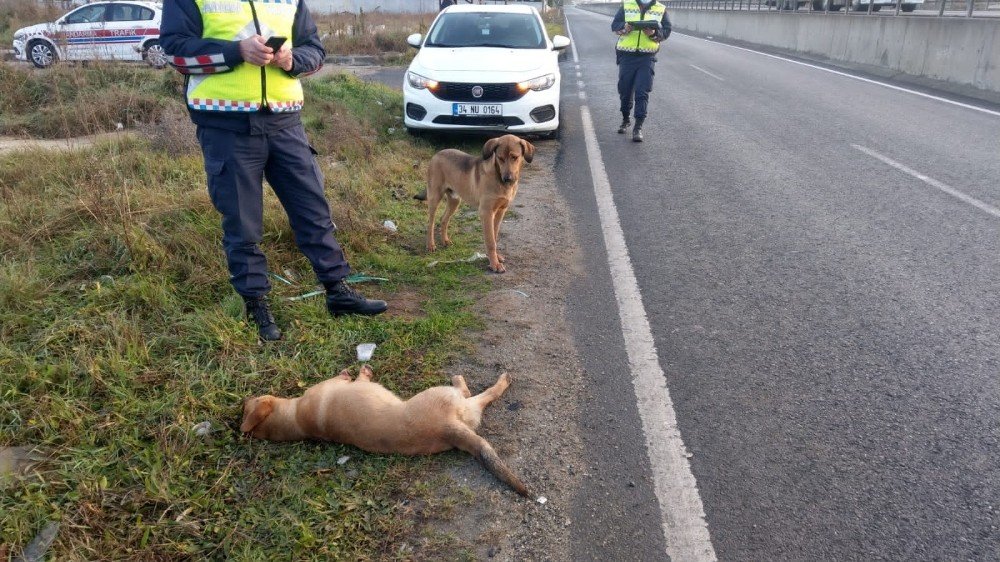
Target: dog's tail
{"type": "Point", "coordinates": [422, 196]}
{"type": "Point", "coordinates": [465, 439]}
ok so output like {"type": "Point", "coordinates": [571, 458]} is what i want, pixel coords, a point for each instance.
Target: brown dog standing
{"type": "Point", "coordinates": [364, 414]}
{"type": "Point", "coordinates": [489, 183]}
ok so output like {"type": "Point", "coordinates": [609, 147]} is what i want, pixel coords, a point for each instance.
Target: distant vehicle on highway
{"type": "Point", "coordinates": [484, 68]}
{"type": "Point", "coordinates": [99, 31]}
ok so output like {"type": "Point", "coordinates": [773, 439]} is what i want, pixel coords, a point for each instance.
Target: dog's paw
{"type": "Point", "coordinates": [498, 268]}
{"type": "Point", "coordinates": [501, 258]}
{"type": "Point", "coordinates": [505, 379]}
{"type": "Point", "coordinates": [431, 248]}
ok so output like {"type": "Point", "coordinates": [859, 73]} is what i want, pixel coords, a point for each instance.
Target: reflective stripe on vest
{"type": "Point", "coordinates": [636, 41]}
{"type": "Point", "coordinates": [246, 88]}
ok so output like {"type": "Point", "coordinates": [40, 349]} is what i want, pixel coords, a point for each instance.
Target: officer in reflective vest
{"type": "Point", "coordinates": [641, 27]}
{"type": "Point", "coordinates": [245, 98]}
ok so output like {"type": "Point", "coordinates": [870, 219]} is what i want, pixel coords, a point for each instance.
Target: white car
{"type": "Point", "coordinates": [98, 31]}
{"type": "Point", "coordinates": [484, 68]}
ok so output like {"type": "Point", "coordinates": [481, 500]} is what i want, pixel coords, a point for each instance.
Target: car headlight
{"type": "Point", "coordinates": [537, 84]}
{"type": "Point", "coordinates": [419, 82]}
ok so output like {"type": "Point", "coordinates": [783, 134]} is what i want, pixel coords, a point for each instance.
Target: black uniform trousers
{"type": "Point", "coordinates": [635, 80]}
{"type": "Point", "coordinates": [236, 164]}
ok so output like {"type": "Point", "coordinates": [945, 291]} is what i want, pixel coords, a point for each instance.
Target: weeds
{"type": "Point", "coordinates": [120, 333]}
{"type": "Point", "coordinates": [69, 101]}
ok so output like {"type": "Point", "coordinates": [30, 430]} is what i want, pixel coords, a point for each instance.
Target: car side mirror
{"type": "Point", "coordinates": [415, 40]}
{"type": "Point", "coordinates": [559, 43]}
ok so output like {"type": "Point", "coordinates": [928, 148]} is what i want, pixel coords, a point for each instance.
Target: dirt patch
{"type": "Point", "coordinates": [533, 427]}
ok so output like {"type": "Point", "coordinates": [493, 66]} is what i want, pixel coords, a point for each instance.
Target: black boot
{"type": "Point", "coordinates": [259, 314]}
{"type": "Point", "coordinates": [637, 131]}
{"type": "Point", "coordinates": [342, 299]}
{"type": "Point", "coordinates": [624, 126]}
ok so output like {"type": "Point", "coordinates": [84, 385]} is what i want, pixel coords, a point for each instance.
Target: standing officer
{"type": "Point", "coordinates": [245, 98]}
{"type": "Point", "coordinates": [636, 54]}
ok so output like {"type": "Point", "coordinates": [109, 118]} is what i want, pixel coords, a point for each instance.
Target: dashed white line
{"type": "Point", "coordinates": [696, 67]}
{"type": "Point", "coordinates": [583, 95]}
{"type": "Point", "coordinates": [853, 77]}
{"type": "Point", "coordinates": [985, 207]}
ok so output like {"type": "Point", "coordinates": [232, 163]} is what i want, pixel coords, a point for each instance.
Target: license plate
{"type": "Point", "coordinates": [476, 109]}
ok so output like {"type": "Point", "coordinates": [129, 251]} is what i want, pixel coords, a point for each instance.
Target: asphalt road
{"type": "Point", "coordinates": [828, 323]}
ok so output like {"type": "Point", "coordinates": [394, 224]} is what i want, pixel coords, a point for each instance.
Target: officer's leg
{"type": "Point", "coordinates": [643, 85]}
{"type": "Point", "coordinates": [295, 176]}
{"type": "Point", "coordinates": [626, 78]}
{"type": "Point", "coordinates": [234, 164]}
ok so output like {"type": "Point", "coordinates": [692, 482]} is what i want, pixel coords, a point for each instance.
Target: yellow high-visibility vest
{"type": "Point", "coordinates": [246, 88]}
{"type": "Point", "coordinates": [636, 41]}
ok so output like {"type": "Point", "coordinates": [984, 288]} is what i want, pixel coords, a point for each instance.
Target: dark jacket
{"type": "Point", "coordinates": [661, 34]}
{"type": "Point", "coordinates": [189, 53]}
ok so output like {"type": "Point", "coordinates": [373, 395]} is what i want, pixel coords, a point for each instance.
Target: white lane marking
{"type": "Point", "coordinates": [852, 76]}
{"type": "Point", "coordinates": [931, 181]}
{"type": "Point", "coordinates": [685, 530]}
{"type": "Point", "coordinates": [579, 84]}
{"type": "Point", "coordinates": [696, 67]}
{"type": "Point", "coordinates": [583, 95]}
{"type": "Point", "coordinates": [579, 74]}
{"type": "Point", "coordinates": [572, 43]}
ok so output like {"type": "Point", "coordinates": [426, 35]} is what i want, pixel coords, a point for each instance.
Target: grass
{"type": "Point", "coordinates": [376, 33]}
{"type": "Point", "coordinates": [73, 100]}
{"type": "Point", "coordinates": [15, 14]}
{"type": "Point", "coordinates": [120, 333]}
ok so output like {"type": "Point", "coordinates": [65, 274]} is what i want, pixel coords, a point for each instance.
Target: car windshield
{"type": "Point", "coordinates": [487, 29]}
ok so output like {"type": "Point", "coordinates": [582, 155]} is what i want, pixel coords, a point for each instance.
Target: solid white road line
{"type": "Point", "coordinates": [931, 181]}
{"type": "Point", "coordinates": [572, 43]}
{"type": "Point", "coordinates": [853, 77]}
{"type": "Point", "coordinates": [685, 531]}
{"type": "Point", "coordinates": [706, 72]}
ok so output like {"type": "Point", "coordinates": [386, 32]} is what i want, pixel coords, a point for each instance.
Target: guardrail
{"type": "Point", "coordinates": [940, 8]}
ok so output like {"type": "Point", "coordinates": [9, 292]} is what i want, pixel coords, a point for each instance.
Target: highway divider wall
{"type": "Point", "coordinates": [961, 54]}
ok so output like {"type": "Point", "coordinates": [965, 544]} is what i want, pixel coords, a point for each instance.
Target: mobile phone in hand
{"type": "Point", "coordinates": [275, 42]}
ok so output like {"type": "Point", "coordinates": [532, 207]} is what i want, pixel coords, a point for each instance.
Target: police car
{"type": "Point", "coordinates": [484, 68]}
{"type": "Point", "coordinates": [98, 31]}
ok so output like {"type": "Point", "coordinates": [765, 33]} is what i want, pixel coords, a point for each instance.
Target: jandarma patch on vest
{"type": "Point", "coordinates": [222, 7]}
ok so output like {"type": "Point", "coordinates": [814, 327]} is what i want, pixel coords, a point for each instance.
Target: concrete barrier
{"type": "Point", "coordinates": [956, 54]}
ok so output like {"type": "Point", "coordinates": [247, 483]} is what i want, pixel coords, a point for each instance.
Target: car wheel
{"type": "Point", "coordinates": [42, 54]}
{"type": "Point", "coordinates": [876, 8]}
{"type": "Point", "coordinates": [908, 7]}
{"type": "Point", "coordinates": [154, 54]}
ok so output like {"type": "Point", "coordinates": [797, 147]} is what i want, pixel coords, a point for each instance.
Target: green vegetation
{"type": "Point", "coordinates": [74, 100]}
{"type": "Point", "coordinates": [120, 333]}
{"type": "Point", "coordinates": [15, 14]}
{"type": "Point", "coordinates": [376, 33]}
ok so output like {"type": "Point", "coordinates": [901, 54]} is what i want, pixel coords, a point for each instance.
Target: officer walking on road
{"type": "Point", "coordinates": [245, 97]}
{"type": "Point", "coordinates": [641, 26]}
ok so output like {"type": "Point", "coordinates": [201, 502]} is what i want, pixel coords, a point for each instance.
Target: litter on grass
{"type": "Point", "coordinates": [473, 258]}
{"type": "Point", "coordinates": [365, 351]}
{"type": "Point", "coordinates": [352, 278]}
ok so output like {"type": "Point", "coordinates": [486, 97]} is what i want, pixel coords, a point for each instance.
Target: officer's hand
{"type": "Point", "coordinates": [255, 52]}
{"type": "Point", "coordinates": [649, 32]}
{"type": "Point", "coordinates": [283, 58]}
{"type": "Point", "coordinates": [625, 30]}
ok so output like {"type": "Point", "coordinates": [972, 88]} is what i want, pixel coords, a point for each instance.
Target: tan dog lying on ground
{"type": "Point", "coordinates": [364, 414]}
{"type": "Point", "coordinates": [489, 183]}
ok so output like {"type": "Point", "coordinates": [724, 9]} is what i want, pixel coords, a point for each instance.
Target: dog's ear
{"type": "Point", "coordinates": [529, 150]}
{"type": "Point", "coordinates": [366, 371]}
{"type": "Point", "coordinates": [256, 410]}
{"type": "Point", "coordinates": [490, 148]}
